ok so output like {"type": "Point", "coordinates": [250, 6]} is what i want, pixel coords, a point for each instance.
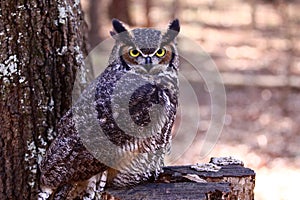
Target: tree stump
{"type": "Point", "coordinates": [228, 182]}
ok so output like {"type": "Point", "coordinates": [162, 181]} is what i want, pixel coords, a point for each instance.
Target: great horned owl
{"type": "Point", "coordinates": [134, 104]}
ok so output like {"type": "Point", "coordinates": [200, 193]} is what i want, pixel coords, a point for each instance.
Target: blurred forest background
{"type": "Point", "coordinates": [255, 45]}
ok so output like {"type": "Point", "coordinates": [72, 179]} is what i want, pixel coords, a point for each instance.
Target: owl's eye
{"type": "Point", "coordinates": [134, 53]}
{"type": "Point", "coordinates": [160, 52]}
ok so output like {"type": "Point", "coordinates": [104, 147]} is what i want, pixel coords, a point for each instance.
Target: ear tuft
{"type": "Point", "coordinates": [174, 25]}
{"type": "Point", "coordinates": [118, 26]}
{"type": "Point", "coordinates": [172, 32]}
{"type": "Point", "coordinates": [120, 33]}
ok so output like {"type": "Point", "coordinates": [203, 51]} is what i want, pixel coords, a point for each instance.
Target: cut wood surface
{"type": "Point", "coordinates": [184, 182]}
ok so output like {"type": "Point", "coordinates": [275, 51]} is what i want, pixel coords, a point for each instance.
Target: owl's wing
{"type": "Point", "coordinates": [63, 144]}
{"type": "Point", "coordinates": [67, 160]}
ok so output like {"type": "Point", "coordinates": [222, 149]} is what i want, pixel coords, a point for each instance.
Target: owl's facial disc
{"type": "Point", "coordinates": [146, 58]}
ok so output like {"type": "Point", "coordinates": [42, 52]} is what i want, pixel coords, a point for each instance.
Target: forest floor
{"type": "Point", "coordinates": [262, 123]}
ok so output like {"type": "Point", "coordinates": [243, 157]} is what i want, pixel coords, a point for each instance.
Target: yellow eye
{"type": "Point", "coordinates": [160, 52]}
{"type": "Point", "coordinates": [134, 53]}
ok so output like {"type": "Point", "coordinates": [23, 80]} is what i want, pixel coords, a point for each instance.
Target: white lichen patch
{"type": "Point", "coordinates": [31, 150]}
{"type": "Point", "coordinates": [62, 51]}
{"type": "Point", "coordinates": [30, 157]}
{"type": "Point", "coordinates": [76, 6]}
{"type": "Point", "coordinates": [21, 7]}
{"type": "Point", "coordinates": [20, 38]}
{"type": "Point", "coordinates": [33, 157]}
{"type": "Point", "coordinates": [80, 62]}
{"type": "Point", "coordinates": [55, 22]}
{"type": "Point", "coordinates": [51, 134]}
{"type": "Point", "coordinates": [39, 159]}
{"type": "Point", "coordinates": [22, 79]}
{"type": "Point", "coordinates": [51, 105]}
{"type": "Point", "coordinates": [64, 11]}
{"type": "Point", "coordinates": [9, 66]}
{"type": "Point", "coordinates": [62, 16]}
{"type": "Point", "coordinates": [42, 141]}
{"type": "Point", "coordinates": [226, 161]}
{"type": "Point", "coordinates": [31, 184]}
{"type": "Point", "coordinates": [5, 80]}
{"type": "Point", "coordinates": [206, 167]}
{"type": "Point", "coordinates": [77, 2]}
{"type": "Point", "coordinates": [44, 193]}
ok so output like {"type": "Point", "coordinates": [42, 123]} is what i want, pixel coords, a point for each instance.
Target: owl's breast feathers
{"type": "Point", "coordinates": [138, 102]}
{"type": "Point", "coordinates": [147, 111]}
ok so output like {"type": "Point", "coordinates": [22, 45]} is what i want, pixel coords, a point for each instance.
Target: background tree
{"type": "Point", "coordinates": [42, 46]}
{"type": "Point", "coordinates": [94, 22]}
{"type": "Point", "coordinates": [120, 10]}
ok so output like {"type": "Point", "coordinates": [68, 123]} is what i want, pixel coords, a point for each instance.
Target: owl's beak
{"type": "Point", "coordinates": [148, 60]}
{"type": "Point", "coordinates": [148, 63]}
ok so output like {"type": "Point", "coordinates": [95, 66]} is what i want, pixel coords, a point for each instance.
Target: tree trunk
{"type": "Point", "coordinates": [42, 46]}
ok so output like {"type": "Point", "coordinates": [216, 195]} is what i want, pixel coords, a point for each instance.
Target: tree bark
{"type": "Point", "coordinates": [42, 46]}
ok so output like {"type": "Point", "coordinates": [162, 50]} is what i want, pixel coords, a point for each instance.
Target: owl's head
{"type": "Point", "coordinates": [145, 50]}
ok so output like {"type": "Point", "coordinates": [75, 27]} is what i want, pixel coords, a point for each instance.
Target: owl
{"type": "Point", "coordinates": [119, 130]}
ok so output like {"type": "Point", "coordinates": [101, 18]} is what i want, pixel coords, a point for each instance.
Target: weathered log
{"type": "Point", "coordinates": [189, 182]}
{"type": "Point", "coordinates": [172, 191]}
